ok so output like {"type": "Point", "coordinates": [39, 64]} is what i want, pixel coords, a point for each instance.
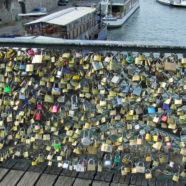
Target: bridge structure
{"type": "Point", "coordinates": [19, 171]}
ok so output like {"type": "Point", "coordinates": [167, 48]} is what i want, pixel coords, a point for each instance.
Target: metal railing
{"type": "Point", "coordinates": [94, 45]}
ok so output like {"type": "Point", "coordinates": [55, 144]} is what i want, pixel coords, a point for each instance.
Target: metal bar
{"type": "Point", "coordinates": [45, 42]}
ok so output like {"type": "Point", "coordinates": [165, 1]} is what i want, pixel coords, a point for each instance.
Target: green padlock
{"type": "Point", "coordinates": [129, 59]}
{"type": "Point", "coordinates": [56, 145]}
{"type": "Point", "coordinates": [7, 89]}
{"type": "Point", "coordinates": [117, 159]}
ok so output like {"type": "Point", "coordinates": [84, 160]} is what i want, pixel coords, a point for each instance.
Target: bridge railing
{"type": "Point", "coordinates": [94, 45]}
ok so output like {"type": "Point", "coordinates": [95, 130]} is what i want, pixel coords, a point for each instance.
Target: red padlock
{"type": "Point", "coordinates": [64, 63]}
{"type": "Point", "coordinates": [164, 118]}
{"type": "Point", "coordinates": [38, 116]}
{"type": "Point", "coordinates": [55, 109]}
{"type": "Point", "coordinates": [39, 105]}
{"type": "Point", "coordinates": [159, 137]}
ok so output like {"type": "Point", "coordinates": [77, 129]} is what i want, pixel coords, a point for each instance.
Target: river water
{"type": "Point", "coordinates": [153, 22]}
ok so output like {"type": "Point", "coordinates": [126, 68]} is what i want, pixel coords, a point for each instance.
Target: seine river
{"type": "Point", "coordinates": [153, 22]}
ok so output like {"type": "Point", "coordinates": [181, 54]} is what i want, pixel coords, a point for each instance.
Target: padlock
{"type": "Point", "coordinates": [117, 159]}
{"type": "Point", "coordinates": [151, 110]}
{"type": "Point", "coordinates": [61, 99]}
{"type": "Point", "coordinates": [140, 167]}
{"type": "Point", "coordinates": [148, 137]}
{"type": "Point", "coordinates": [59, 73]}
{"type": "Point", "coordinates": [56, 145]}
{"type": "Point", "coordinates": [157, 145]}
{"type": "Point", "coordinates": [7, 89]}
{"type": "Point", "coordinates": [148, 174]}
{"type": "Point", "coordinates": [22, 67]}
{"type": "Point", "coordinates": [166, 107]}
{"type": "Point", "coordinates": [139, 140]}
{"type": "Point", "coordinates": [66, 164]}
{"type": "Point", "coordinates": [148, 158]}
{"type": "Point", "coordinates": [175, 177]}
{"type": "Point", "coordinates": [38, 116]}
{"type": "Point", "coordinates": [106, 148]}
{"type": "Point", "coordinates": [126, 159]}
{"type": "Point", "coordinates": [74, 103]}
{"type": "Point", "coordinates": [55, 108]}
{"type": "Point", "coordinates": [108, 160]}
{"type": "Point", "coordinates": [162, 159]}
{"type": "Point", "coordinates": [29, 67]}
{"type": "Point", "coordinates": [91, 166]}
{"type": "Point", "coordinates": [171, 164]}
{"type": "Point", "coordinates": [167, 139]}
{"type": "Point", "coordinates": [86, 141]}
{"type": "Point", "coordinates": [133, 168]}
{"type": "Point", "coordinates": [80, 166]}
{"type": "Point", "coordinates": [22, 96]}
{"type": "Point", "coordinates": [56, 90]}
{"type": "Point", "coordinates": [37, 59]}
{"type": "Point", "coordinates": [39, 105]}
{"type": "Point", "coordinates": [123, 172]}
{"type": "Point", "coordinates": [182, 137]}
{"type": "Point", "coordinates": [164, 118]}
{"type": "Point", "coordinates": [31, 52]}
{"type": "Point", "coordinates": [71, 113]}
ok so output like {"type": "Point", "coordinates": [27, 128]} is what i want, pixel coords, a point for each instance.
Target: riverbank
{"type": "Point", "coordinates": [15, 28]}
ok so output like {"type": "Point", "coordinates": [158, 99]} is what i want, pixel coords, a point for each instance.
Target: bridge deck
{"type": "Point", "coordinates": [21, 173]}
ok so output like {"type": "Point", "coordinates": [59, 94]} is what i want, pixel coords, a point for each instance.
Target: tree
{"type": "Point", "coordinates": [7, 4]}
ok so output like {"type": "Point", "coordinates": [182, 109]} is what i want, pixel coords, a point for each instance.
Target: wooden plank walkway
{"type": "Point", "coordinates": [21, 173]}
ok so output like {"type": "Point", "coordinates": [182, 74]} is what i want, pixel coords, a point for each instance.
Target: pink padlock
{"type": "Point", "coordinates": [31, 52]}
{"type": "Point", "coordinates": [38, 116]}
{"type": "Point", "coordinates": [164, 118]}
{"type": "Point", "coordinates": [169, 144]}
{"type": "Point", "coordinates": [39, 105]}
{"type": "Point", "coordinates": [55, 109]}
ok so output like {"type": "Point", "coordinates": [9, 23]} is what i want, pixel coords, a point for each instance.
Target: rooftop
{"type": "Point", "coordinates": [64, 17]}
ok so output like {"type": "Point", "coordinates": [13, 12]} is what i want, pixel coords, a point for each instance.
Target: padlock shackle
{"type": "Point", "coordinates": [91, 160]}
{"type": "Point", "coordinates": [106, 157]}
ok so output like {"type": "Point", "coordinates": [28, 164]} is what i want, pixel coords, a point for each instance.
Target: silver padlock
{"type": "Point", "coordinates": [86, 141]}
{"type": "Point", "coordinates": [171, 164]}
{"type": "Point", "coordinates": [59, 73]}
{"type": "Point", "coordinates": [22, 96]}
{"type": "Point", "coordinates": [74, 104]}
{"type": "Point", "coordinates": [61, 99]}
{"type": "Point", "coordinates": [66, 164]}
{"type": "Point", "coordinates": [108, 160]}
{"type": "Point", "coordinates": [79, 167]}
{"type": "Point", "coordinates": [71, 113]}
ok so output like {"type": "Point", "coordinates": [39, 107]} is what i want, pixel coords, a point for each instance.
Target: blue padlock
{"type": "Point", "coordinates": [151, 110]}
{"type": "Point", "coordinates": [166, 107]}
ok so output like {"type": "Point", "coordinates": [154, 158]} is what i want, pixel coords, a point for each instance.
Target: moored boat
{"type": "Point", "coordinates": [177, 3]}
{"type": "Point", "coordinates": [118, 11]}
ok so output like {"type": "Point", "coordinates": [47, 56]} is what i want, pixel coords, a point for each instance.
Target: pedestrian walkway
{"type": "Point", "coordinates": [21, 173]}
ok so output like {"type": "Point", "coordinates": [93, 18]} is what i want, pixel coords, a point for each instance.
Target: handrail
{"type": "Point", "coordinates": [95, 45]}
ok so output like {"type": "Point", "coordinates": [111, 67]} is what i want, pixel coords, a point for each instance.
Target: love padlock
{"type": "Point", "coordinates": [55, 109]}
{"type": "Point", "coordinates": [38, 116]}
{"type": "Point", "coordinates": [39, 105]}
{"type": "Point", "coordinates": [169, 144]}
{"type": "Point", "coordinates": [108, 160]}
{"type": "Point", "coordinates": [164, 118]}
{"type": "Point", "coordinates": [86, 141]}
